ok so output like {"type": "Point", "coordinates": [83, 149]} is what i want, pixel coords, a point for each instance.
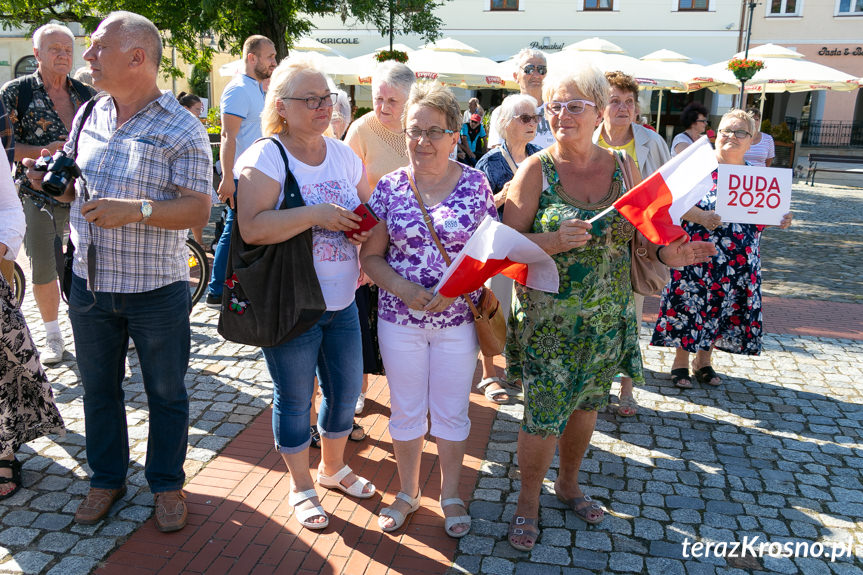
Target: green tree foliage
{"type": "Point", "coordinates": [230, 22]}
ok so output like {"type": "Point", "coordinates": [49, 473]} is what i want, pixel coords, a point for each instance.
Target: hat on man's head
{"type": "Point", "coordinates": [476, 118]}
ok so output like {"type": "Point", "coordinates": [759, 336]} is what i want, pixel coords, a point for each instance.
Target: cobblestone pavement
{"type": "Point", "coordinates": [819, 256]}
{"type": "Point", "coordinates": [776, 452]}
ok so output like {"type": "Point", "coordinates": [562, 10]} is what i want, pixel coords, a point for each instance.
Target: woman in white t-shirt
{"type": "Point", "coordinates": [762, 150]}
{"type": "Point", "coordinates": [297, 112]}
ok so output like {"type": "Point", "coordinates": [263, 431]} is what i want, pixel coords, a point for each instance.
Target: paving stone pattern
{"type": "Point", "coordinates": [775, 452]}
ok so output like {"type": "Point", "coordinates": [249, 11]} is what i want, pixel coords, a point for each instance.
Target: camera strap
{"type": "Point", "coordinates": [63, 261]}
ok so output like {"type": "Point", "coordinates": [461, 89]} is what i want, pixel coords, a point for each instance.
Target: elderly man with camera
{"type": "Point", "coordinates": [146, 174]}
{"type": "Point", "coordinates": [41, 106]}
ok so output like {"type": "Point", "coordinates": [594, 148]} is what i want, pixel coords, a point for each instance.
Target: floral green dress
{"type": "Point", "coordinates": [567, 347]}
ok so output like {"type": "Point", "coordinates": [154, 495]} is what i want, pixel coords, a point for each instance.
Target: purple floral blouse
{"type": "Point", "coordinates": [412, 252]}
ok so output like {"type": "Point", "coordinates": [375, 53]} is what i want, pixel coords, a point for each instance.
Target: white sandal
{"type": "Point", "coordinates": [335, 482]}
{"type": "Point", "coordinates": [491, 394]}
{"type": "Point", "coordinates": [303, 515]}
{"type": "Point", "coordinates": [361, 403]}
{"type": "Point", "coordinates": [450, 522]}
{"type": "Point", "coordinates": [397, 515]}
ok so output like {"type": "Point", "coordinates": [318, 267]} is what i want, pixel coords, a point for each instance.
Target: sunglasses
{"type": "Point", "coordinates": [527, 118]}
{"type": "Point", "coordinates": [531, 68]}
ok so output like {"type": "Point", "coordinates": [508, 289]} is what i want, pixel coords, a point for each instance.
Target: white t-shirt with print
{"type": "Point", "coordinates": [334, 181]}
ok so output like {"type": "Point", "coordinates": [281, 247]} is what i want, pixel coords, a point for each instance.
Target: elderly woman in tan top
{"type": "Point", "coordinates": [378, 139]}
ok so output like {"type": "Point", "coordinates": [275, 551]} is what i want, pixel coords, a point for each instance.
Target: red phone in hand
{"type": "Point", "coordinates": [369, 220]}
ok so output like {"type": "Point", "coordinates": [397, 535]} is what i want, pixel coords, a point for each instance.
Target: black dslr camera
{"type": "Point", "coordinates": [60, 168]}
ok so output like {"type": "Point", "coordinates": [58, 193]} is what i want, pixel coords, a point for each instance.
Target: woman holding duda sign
{"type": "Point", "coordinates": [715, 304]}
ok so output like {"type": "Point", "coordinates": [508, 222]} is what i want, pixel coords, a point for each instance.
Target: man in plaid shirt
{"type": "Point", "coordinates": [147, 167]}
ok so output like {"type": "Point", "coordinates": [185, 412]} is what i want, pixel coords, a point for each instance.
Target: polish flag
{"type": "Point", "coordinates": [656, 205]}
{"type": "Point", "coordinates": [498, 249]}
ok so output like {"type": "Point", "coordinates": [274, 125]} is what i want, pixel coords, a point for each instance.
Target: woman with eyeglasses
{"type": "Point", "coordinates": [716, 304]}
{"type": "Point", "coordinates": [517, 122]}
{"type": "Point", "coordinates": [330, 176]}
{"type": "Point", "coordinates": [567, 347]}
{"type": "Point", "coordinates": [695, 123]}
{"type": "Point", "coordinates": [428, 342]}
{"type": "Point", "coordinates": [619, 131]}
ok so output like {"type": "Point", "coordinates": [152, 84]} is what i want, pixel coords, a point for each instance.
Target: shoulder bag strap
{"type": "Point", "coordinates": [292, 196]}
{"type": "Point", "coordinates": [428, 221]}
{"type": "Point", "coordinates": [508, 157]}
{"type": "Point", "coordinates": [624, 168]}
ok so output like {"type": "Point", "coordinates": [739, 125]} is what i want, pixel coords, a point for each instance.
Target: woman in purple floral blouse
{"type": "Point", "coordinates": [428, 342]}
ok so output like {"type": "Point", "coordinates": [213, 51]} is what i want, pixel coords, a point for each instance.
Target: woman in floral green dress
{"type": "Point", "coordinates": [567, 347]}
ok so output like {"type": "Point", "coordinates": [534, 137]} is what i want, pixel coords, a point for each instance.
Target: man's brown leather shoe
{"type": "Point", "coordinates": [97, 504]}
{"type": "Point", "coordinates": [170, 510]}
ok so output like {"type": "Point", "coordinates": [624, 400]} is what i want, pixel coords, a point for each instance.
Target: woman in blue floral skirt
{"type": "Point", "coordinates": [716, 304]}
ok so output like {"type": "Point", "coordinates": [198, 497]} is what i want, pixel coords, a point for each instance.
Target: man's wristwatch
{"type": "Point", "coordinates": [146, 210]}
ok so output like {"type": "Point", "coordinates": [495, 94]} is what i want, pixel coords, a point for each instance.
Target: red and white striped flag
{"type": "Point", "coordinates": [656, 205]}
{"type": "Point", "coordinates": [498, 249]}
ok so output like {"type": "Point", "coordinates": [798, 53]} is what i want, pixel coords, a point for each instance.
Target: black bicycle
{"type": "Point", "coordinates": [196, 257]}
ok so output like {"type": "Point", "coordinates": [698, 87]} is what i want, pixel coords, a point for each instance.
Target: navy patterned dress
{"type": "Point", "coordinates": [716, 303]}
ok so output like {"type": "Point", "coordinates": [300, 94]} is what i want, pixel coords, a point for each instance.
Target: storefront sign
{"type": "Point", "coordinates": [339, 40]}
{"type": "Point", "coordinates": [546, 47]}
{"type": "Point", "coordinates": [825, 51]}
{"type": "Point", "coordinates": [752, 195]}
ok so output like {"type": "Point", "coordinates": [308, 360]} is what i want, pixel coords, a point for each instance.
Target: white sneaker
{"type": "Point", "coordinates": [52, 353]}
{"type": "Point", "coordinates": [361, 403]}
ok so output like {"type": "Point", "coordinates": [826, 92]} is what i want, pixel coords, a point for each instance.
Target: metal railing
{"type": "Point", "coordinates": [823, 134]}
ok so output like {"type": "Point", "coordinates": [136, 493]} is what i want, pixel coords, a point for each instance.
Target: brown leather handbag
{"type": "Point", "coordinates": [490, 323]}
{"type": "Point", "coordinates": [647, 274]}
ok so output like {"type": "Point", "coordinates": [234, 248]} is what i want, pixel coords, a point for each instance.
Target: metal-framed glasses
{"type": "Point", "coordinates": [573, 106]}
{"type": "Point", "coordinates": [316, 102]}
{"type": "Point", "coordinates": [526, 118]}
{"type": "Point", "coordinates": [434, 133]}
{"type": "Point", "coordinates": [739, 134]}
{"type": "Point", "coordinates": [538, 68]}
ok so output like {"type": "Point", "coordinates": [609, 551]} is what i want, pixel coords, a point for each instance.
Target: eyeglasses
{"type": "Point", "coordinates": [434, 133]}
{"type": "Point", "coordinates": [539, 69]}
{"type": "Point", "coordinates": [739, 134]}
{"type": "Point", "coordinates": [527, 118]}
{"type": "Point", "coordinates": [317, 102]}
{"type": "Point", "coordinates": [622, 104]}
{"type": "Point", "coordinates": [573, 106]}
{"type": "Point", "coordinates": [702, 120]}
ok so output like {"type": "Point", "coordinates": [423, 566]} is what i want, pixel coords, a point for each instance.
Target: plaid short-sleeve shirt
{"type": "Point", "coordinates": [157, 151]}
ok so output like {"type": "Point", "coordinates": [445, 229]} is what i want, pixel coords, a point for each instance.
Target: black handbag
{"type": "Point", "coordinates": [271, 292]}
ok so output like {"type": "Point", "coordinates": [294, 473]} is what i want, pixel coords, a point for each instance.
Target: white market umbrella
{"type": "Point", "coordinates": [680, 68]}
{"type": "Point", "coordinates": [363, 67]}
{"type": "Point", "coordinates": [325, 58]}
{"type": "Point", "coordinates": [785, 70]}
{"type": "Point", "coordinates": [456, 64]}
{"type": "Point", "coordinates": [609, 57]}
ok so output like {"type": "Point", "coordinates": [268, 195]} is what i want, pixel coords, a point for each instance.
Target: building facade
{"type": "Point", "coordinates": [828, 32]}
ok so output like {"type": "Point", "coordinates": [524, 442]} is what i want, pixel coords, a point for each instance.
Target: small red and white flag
{"type": "Point", "coordinates": [656, 205]}
{"type": "Point", "coordinates": [498, 249]}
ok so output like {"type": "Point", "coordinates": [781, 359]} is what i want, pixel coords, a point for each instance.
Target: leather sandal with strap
{"type": "Point", "coordinates": [303, 515]}
{"type": "Point", "coordinates": [15, 466]}
{"type": "Point", "coordinates": [356, 489]}
{"type": "Point", "coordinates": [450, 522]}
{"type": "Point", "coordinates": [398, 516]}
{"type": "Point", "coordinates": [493, 395]}
{"type": "Point", "coordinates": [522, 526]}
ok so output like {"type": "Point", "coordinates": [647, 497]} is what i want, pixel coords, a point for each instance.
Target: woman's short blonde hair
{"type": "Point", "coordinates": [583, 77]}
{"type": "Point", "coordinates": [433, 95]}
{"type": "Point", "coordinates": [283, 84]}
{"type": "Point", "coordinates": [738, 114]}
{"type": "Point", "coordinates": [507, 109]}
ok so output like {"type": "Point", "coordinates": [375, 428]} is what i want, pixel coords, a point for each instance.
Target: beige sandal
{"type": "Point", "coordinates": [354, 490]}
{"type": "Point", "coordinates": [303, 515]}
{"type": "Point", "coordinates": [450, 522]}
{"type": "Point", "coordinates": [397, 515]}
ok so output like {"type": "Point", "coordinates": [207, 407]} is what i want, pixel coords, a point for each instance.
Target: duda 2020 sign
{"type": "Point", "coordinates": [753, 195]}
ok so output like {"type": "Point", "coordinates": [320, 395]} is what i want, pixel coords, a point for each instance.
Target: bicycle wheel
{"type": "Point", "coordinates": [199, 270]}
{"type": "Point", "coordinates": [19, 285]}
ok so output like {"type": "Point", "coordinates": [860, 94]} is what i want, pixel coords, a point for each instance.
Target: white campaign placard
{"type": "Point", "coordinates": [753, 195]}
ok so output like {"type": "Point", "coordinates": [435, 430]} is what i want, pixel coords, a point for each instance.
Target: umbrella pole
{"type": "Point", "coordinates": [659, 112]}
{"type": "Point", "coordinates": [761, 106]}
